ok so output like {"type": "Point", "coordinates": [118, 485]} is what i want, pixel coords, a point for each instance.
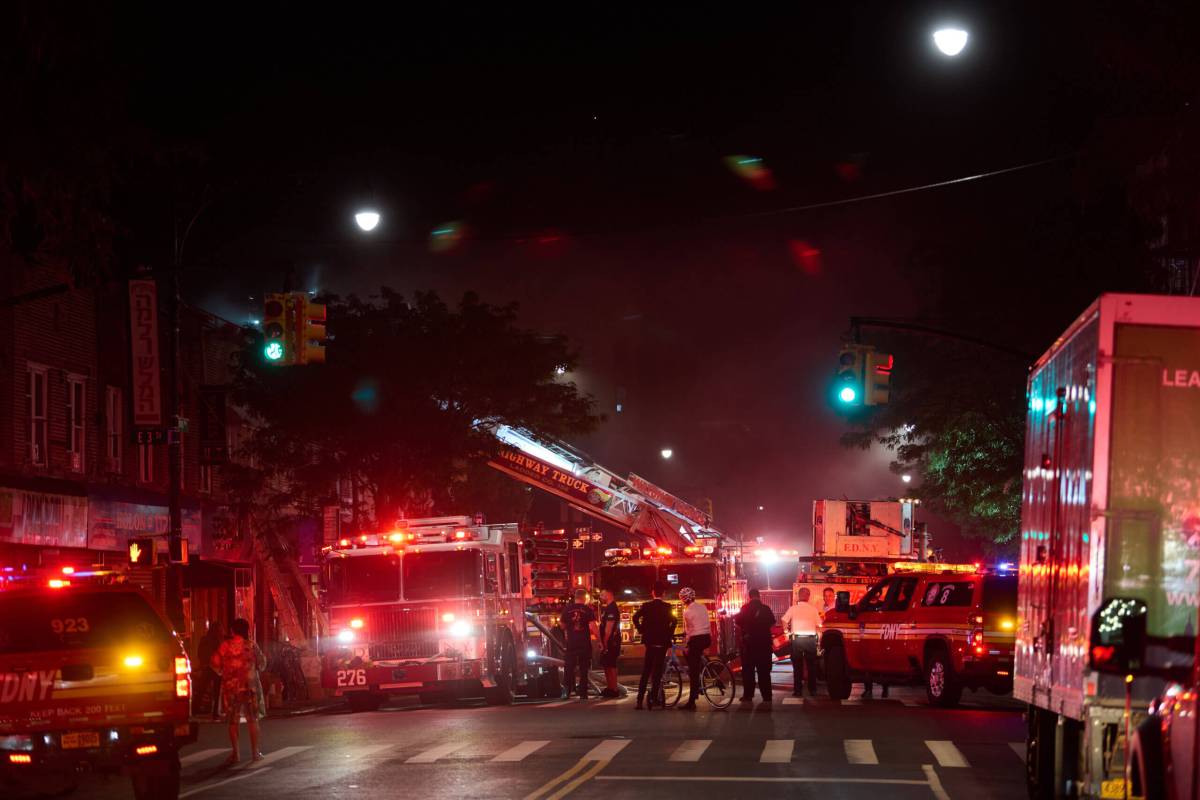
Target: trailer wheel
{"type": "Point", "coordinates": [1146, 762]}
{"type": "Point", "coordinates": [837, 674]}
{"type": "Point", "coordinates": [942, 686]}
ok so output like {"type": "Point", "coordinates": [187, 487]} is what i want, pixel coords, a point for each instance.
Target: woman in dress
{"type": "Point", "coordinates": [238, 661]}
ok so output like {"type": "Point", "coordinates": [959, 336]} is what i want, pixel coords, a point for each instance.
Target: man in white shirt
{"type": "Point", "coordinates": [698, 635]}
{"type": "Point", "coordinates": [802, 622]}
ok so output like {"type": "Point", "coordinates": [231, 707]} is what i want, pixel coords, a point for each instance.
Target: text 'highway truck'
{"type": "Point", "coordinates": [1110, 548]}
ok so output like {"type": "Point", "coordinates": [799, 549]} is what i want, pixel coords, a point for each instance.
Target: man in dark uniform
{"type": "Point", "coordinates": [656, 624]}
{"type": "Point", "coordinates": [610, 641]}
{"type": "Point", "coordinates": [754, 621]}
{"type": "Point", "coordinates": [578, 622]}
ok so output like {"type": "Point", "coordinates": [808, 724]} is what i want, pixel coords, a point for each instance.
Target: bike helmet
{"type": "Point", "coordinates": [687, 595]}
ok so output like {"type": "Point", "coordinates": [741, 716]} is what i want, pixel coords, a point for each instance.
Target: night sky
{"type": "Point", "coordinates": [585, 159]}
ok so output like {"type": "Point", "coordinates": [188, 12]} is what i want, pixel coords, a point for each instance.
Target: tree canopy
{"type": "Point", "coordinates": [403, 408]}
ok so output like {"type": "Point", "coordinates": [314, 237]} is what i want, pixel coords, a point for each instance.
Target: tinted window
{"type": "Point", "coordinates": [74, 620]}
{"type": "Point", "coordinates": [364, 579]}
{"type": "Point", "coordinates": [628, 582]}
{"type": "Point", "coordinates": [442, 573]}
{"type": "Point", "coordinates": [874, 598]}
{"type": "Point", "coordinates": [948, 593]}
{"type": "Point", "coordinates": [702, 577]}
{"type": "Point", "coordinates": [1000, 594]}
{"type": "Point", "coordinates": [902, 598]}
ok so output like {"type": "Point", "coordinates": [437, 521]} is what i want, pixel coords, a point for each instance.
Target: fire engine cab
{"type": "Point", "coordinates": [435, 607]}
{"type": "Point", "coordinates": [947, 626]}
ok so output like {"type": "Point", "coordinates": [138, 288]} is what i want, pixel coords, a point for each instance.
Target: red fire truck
{"type": "Point", "coordinates": [435, 607]}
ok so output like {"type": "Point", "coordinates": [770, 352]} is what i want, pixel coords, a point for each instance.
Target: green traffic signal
{"type": "Point", "coordinates": [847, 394]}
{"type": "Point", "coordinates": [273, 351]}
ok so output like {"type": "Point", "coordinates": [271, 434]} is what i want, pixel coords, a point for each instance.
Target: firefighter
{"type": "Point", "coordinates": [802, 622]}
{"type": "Point", "coordinates": [610, 641]}
{"type": "Point", "coordinates": [755, 620]}
{"type": "Point", "coordinates": [656, 625]}
{"type": "Point", "coordinates": [578, 621]}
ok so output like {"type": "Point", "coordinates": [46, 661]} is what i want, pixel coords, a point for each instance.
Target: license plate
{"type": "Point", "coordinates": [74, 741]}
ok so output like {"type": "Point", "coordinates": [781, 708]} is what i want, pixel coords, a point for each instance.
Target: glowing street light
{"type": "Point", "coordinates": [906, 478]}
{"type": "Point", "coordinates": [950, 41]}
{"type": "Point", "coordinates": [666, 453]}
{"type": "Point", "coordinates": [367, 220]}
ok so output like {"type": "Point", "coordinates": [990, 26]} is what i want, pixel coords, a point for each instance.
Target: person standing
{"type": "Point", "coordinates": [698, 634]}
{"type": "Point", "coordinates": [239, 661]}
{"type": "Point", "coordinates": [578, 621]}
{"type": "Point", "coordinates": [610, 641]}
{"type": "Point", "coordinates": [656, 624]}
{"type": "Point", "coordinates": [210, 686]}
{"type": "Point", "coordinates": [802, 622]}
{"type": "Point", "coordinates": [755, 620]}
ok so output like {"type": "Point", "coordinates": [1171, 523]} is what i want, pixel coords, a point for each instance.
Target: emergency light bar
{"type": "Point", "coordinates": [934, 569]}
{"type": "Point", "coordinates": [401, 538]}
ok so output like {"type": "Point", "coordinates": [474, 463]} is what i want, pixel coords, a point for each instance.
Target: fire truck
{"type": "Point", "coordinates": [436, 608]}
{"type": "Point", "coordinates": [855, 544]}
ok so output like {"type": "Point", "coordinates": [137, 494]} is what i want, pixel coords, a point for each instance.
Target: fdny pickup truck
{"type": "Point", "coordinates": [92, 679]}
{"type": "Point", "coordinates": [947, 626]}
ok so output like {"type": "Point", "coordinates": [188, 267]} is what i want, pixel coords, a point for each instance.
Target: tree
{"type": "Point", "coordinates": [403, 409]}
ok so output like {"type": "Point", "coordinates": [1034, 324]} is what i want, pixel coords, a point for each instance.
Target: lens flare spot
{"type": "Point", "coordinates": [806, 257]}
{"type": "Point", "coordinates": [752, 171]}
{"type": "Point", "coordinates": [447, 237]}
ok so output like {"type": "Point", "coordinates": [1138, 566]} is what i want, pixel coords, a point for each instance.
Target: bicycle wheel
{"type": "Point", "coordinates": [718, 683]}
{"type": "Point", "coordinates": [672, 686]}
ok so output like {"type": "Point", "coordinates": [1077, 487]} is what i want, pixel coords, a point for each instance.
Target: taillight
{"type": "Point", "coordinates": [146, 749]}
{"type": "Point", "coordinates": [976, 640]}
{"type": "Point", "coordinates": [183, 687]}
{"type": "Point", "coordinates": [182, 667]}
{"type": "Point", "coordinates": [20, 758]}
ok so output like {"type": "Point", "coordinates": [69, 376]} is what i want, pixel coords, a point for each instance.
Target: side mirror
{"type": "Point", "coordinates": [1118, 640]}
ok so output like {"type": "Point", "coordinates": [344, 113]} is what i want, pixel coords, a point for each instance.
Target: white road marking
{"type": "Point", "coordinates": [606, 749]}
{"type": "Point", "coordinates": [691, 750]}
{"type": "Point", "coordinates": [519, 752]}
{"type": "Point", "coordinates": [755, 779]}
{"type": "Point", "coordinates": [777, 751]}
{"type": "Point", "coordinates": [793, 701]}
{"type": "Point", "coordinates": [860, 751]}
{"type": "Point", "coordinates": [558, 703]}
{"type": "Point", "coordinates": [946, 753]}
{"type": "Point", "coordinates": [935, 783]}
{"type": "Point", "coordinates": [202, 755]}
{"type": "Point", "coordinates": [434, 753]}
{"type": "Point", "coordinates": [365, 752]}
{"type": "Point", "coordinates": [276, 755]}
{"type": "Point", "coordinates": [1019, 748]}
{"type": "Point", "coordinates": [239, 776]}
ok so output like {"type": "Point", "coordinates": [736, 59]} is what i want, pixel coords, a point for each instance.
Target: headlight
{"type": "Point", "coordinates": [460, 629]}
{"type": "Point", "coordinates": [345, 636]}
{"type": "Point", "coordinates": [1007, 624]}
{"type": "Point", "coordinates": [356, 623]}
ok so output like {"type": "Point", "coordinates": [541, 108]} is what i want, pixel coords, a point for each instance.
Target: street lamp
{"type": "Point", "coordinates": [906, 478]}
{"type": "Point", "coordinates": [367, 220]}
{"type": "Point", "coordinates": [666, 453]}
{"type": "Point", "coordinates": [950, 41]}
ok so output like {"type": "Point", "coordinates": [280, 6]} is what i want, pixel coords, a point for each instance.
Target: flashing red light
{"type": "Point", "coordinates": [978, 650]}
{"type": "Point", "coordinates": [56, 583]}
{"type": "Point", "coordinates": [362, 538]}
{"type": "Point", "coordinates": [68, 570]}
{"type": "Point", "coordinates": [20, 758]}
{"type": "Point", "coordinates": [1102, 654]}
{"type": "Point", "coordinates": [664, 551]}
{"type": "Point", "coordinates": [647, 552]}
{"type": "Point", "coordinates": [183, 686]}
{"type": "Point", "coordinates": [182, 667]}
{"type": "Point", "coordinates": [343, 542]}
{"type": "Point", "coordinates": [460, 534]}
{"type": "Point", "coordinates": [146, 749]}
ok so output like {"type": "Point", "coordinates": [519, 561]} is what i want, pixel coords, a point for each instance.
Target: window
{"type": "Point", "coordinates": [875, 597]}
{"type": "Point", "coordinates": [906, 587]}
{"type": "Point", "coordinates": [37, 415]}
{"type": "Point", "coordinates": [205, 478]}
{"type": "Point", "coordinates": [146, 463]}
{"type": "Point", "coordinates": [514, 569]}
{"type": "Point", "coordinates": [76, 414]}
{"type": "Point", "coordinates": [114, 437]}
{"type": "Point", "coordinates": [950, 593]}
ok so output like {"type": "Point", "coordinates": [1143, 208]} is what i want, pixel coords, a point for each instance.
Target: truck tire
{"type": "Point", "coordinates": [1146, 764]}
{"type": "Point", "coordinates": [1039, 753]}
{"type": "Point", "coordinates": [364, 701]}
{"type": "Point", "coordinates": [157, 779]}
{"type": "Point", "coordinates": [551, 683]}
{"type": "Point", "coordinates": [504, 675]}
{"type": "Point", "coordinates": [942, 686]}
{"type": "Point", "coordinates": [837, 674]}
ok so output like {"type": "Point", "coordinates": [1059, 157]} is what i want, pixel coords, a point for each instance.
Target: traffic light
{"type": "Point", "coordinates": [277, 339]}
{"type": "Point", "coordinates": [878, 378]}
{"type": "Point", "coordinates": [849, 386]}
{"type": "Point", "coordinates": [141, 552]}
{"type": "Point", "coordinates": [312, 333]}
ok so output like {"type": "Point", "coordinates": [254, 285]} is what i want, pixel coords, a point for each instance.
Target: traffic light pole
{"type": "Point", "coordinates": [915, 327]}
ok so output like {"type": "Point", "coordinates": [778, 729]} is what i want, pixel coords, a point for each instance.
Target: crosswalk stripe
{"type": "Point", "coordinates": [777, 751]}
{"type": "Point", "coordinates": [276, 755]}
{"type": "Point", "coordinates": [558, 703]}
{"type": "Point", "coordinates": [691, 750]}
{"type": "Point", "coordinates": [364, 752]}
{"type": "Point", "coordinates": [434, 753]}
{"type": "Point", "coordinates": [202, 755]}
{"type": "Point", "coordinates": [860, 751]}
{"type": "Point", "coordinates": [1018, 748]}
{"type": "Point", "coordinates": [946, 753]}
{"type": "Point", "coordinates": [606, 749]}
{"type": "Point", "coordinates": [519, 752]}
{"type": "Point", "coordinates": [793, 701]}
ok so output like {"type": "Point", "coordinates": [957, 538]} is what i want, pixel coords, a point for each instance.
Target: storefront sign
{"type": "Point", "coordinates": [143, 326]}
{"type": "Point", "coordinates": [39, 518]}
{"type": "Point", "coordinates": [112, 523]}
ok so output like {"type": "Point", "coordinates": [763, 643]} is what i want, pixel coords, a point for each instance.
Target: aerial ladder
{"type": "Point", "coordinates": [632, 502]}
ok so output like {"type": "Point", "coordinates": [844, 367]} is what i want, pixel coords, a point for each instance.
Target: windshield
{"type": "Point", "coordinates": [1000, 594]}
{"type": "Point", "coordinates": [364, 579]}
{"type": "Point", "coordinates": [444, 573]}
{"type": "Point", "coordinates": [628, 582]}
{"type": "Point", "coordinates": [700, 576]}
{"type": "Point", "coordinates": [77, 620]}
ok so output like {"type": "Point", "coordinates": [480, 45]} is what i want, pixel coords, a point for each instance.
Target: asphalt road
{"type": "Point", "coordinates": [895, 748]}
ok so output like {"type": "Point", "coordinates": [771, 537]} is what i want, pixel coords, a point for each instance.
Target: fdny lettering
{"type": "Point", "coordinates": [890, 631]}
{"type": "Point", "coordinates": [26, 687]}
{"type": "Point", "coordinates": [1181, 378]}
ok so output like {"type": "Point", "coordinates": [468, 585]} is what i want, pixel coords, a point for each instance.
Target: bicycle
{"type": "Point", "coordinates": [717, 681]}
